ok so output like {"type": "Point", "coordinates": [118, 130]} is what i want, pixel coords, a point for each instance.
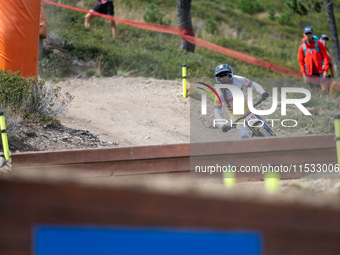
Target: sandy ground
{"type": "Point", "coordinates": [140, 112]}
{"type": "Point", "coordinates": [129, 111]}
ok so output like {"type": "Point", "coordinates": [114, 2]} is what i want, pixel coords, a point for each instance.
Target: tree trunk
{"type": "Point", "coordinates": [334, 35]}
{"type": "Point", "coordinates": [184, 21]}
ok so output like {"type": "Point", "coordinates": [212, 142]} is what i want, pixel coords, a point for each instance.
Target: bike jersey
{"type": "Point", "coordinates": [224, 94]}
{"type": "Point", "coordinates": [240, 82]}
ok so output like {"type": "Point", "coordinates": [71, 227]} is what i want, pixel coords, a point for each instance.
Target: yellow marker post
{"type": "Point", "coordinates": [184, 80]}
{"type": "Point", "coordinates": [229, 178]}
{"type": "Point", "coordinates": [4, 136]}
{"type": "Point", "coordinates": [337, 135]}
{"type": "Point", "coordinates": [271, 182]}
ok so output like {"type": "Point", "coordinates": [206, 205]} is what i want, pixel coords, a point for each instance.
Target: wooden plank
{"type": "Point", "coordinates": [175, 150]}
{"type": "Point", "coordinates": [288, 229]}
{"type": "Point", "coordinates": [264, 145]}
{"type": "Point", "coordinates": [101, 155]}
{"type": "Point", "coordinates": [177, 158]}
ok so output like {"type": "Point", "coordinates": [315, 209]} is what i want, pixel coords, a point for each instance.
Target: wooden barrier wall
{"type": "Point", "coordinates": [287, 228]}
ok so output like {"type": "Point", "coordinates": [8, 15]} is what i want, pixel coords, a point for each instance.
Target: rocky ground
{"type": "Point", "coordinates": [45, 137]}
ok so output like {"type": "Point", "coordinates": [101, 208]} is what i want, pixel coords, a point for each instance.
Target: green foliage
{"type": "Point", "coordinates": [297, 7]}
{"type": "Point", "coordinates": [271, 14]}
{"type": "Point", "coordinates": [30, 97]}
{"type": "Point", "coordinates": [153, 15]}
{"type": "Point", "coordinates": [91, 72]}
{"type": "Point", "coordinates": [316, 5]}
{"type": "Point", "coordinates": [165, 4]}
{"type": "Point", "coordinates": [207, 9]}
{"type": "Point", "coordinates": [211, 26]}
{"type": "Point", "coordinates": [55, 65]}
{"type": "Point", "coordinates": [14, 89]}
{"type": "Point", "coordinates": [250, 6]}
{"type": "Point", "coordinates": [304, 7]}
{"type": "Point", "coordinates": [285, 18]}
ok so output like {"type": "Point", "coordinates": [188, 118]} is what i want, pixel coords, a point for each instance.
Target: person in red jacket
{"type": "Point", "coordinates": [313, 60]}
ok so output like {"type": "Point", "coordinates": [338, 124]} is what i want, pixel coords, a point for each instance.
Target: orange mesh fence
{"type": "Point", "coordinates": [188, 34]}
{"type": "Point", "coordinates": [241, 56]}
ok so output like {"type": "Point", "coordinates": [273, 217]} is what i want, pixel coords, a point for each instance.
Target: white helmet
{"type": "Point", "coordinates": [223, 70]}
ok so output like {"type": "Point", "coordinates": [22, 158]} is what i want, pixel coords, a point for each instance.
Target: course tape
{"type": "Point", "coordinates": [188, 34]}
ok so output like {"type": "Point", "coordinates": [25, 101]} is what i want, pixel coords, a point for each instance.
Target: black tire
{"type": "Point", "coordinates": [263, 132]}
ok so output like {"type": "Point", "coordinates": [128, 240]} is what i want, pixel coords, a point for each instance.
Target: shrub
{"type": "Point", "coordinates": [30, 97]}
{"type": "Point", "coordinates": [91, 72]}
{"type": "Point", "coordinates": [55, 65]}
{"type": "Point", "coordinates": [271, 14]}
{"type": "Point", "coordinates": [153, 15]}
{"type": "Point", "coordinates": [250, 6]}
{"type": "Point", "coordinates": [285, 18]}
{"type": "Point", "coordinates": [211, 26]}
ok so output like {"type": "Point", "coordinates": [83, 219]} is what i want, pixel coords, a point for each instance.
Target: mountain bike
{"type": "Point", "coordinates": [255, 123]}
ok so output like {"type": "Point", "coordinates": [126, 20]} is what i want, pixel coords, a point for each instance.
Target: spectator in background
{"type": "Point", "coordinates": [334, 85]}
{"type": "Point", "coordinates": [42, 28]}
{"type": "Point", "coordinates": [324, 39]}
{"type": "Point", "coordinates": [311, 54]}
{"type": "Point", "coordinates": [104, 7]}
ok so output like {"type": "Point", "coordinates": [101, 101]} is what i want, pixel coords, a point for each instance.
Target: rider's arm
{"type": "Point", "coordinates": [257, 87]}
{"type": "Point", "coordinates": [249, 83]}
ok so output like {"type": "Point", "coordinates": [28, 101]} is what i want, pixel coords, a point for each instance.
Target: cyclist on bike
{"type": "Point", "coordinates": [224, 75]}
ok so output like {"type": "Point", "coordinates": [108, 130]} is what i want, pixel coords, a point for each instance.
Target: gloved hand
{"type": "Point", "coordinates": [225, 128]}
{"type": "Point", "coordinates": [264, 95]}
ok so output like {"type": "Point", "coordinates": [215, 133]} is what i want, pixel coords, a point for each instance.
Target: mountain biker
{"type": "Point", "coordinates": [224, 75]}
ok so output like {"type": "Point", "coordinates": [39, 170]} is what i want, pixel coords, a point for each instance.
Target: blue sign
{"type": "Point", "coordinates": [139, 241]}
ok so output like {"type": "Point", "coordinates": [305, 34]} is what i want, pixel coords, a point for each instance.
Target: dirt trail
{"type": "Point", "coordinates": [137, 111]}
{"type": "Point", "coordinates": [129, 111]}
